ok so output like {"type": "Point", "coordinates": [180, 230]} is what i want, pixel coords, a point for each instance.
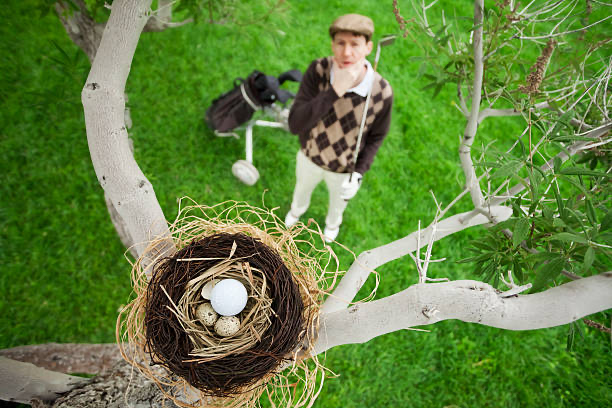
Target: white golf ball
{"type": "Point", "coordinates": [228, 297]}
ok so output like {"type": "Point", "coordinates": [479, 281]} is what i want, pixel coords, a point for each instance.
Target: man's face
{"type": "Point", "coordinates": [350, 49]}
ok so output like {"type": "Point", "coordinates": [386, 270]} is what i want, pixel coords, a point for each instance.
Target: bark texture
{"type": "Point", "coordinates": [367, 261]}
{"type": "Point", "coordinates": [22, 382]}
{"type": "Point", "coordinates": [67, 358]}
{"type": "Point", "coordinates": [130, 192]}
{"type": "Point", "coordinates": [81, 28]}
{"type": "Point", "coordinates": [122, 386]}
{"type": "Point", "coordinates": [465, 148]}
{"type": "Point", "coordinates": [468, 301]}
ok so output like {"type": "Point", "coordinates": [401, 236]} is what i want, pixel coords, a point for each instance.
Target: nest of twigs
{"type": "Point", "coordinates": [272, 323]}
{"type": "Point", "coordinates": [284, 274]}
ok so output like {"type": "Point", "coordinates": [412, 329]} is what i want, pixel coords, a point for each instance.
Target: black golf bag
{"type": "Point", "coordinates": [257, 91]}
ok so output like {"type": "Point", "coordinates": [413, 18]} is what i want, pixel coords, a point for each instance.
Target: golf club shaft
{"type": "Point", "coordinates": [364, 114]}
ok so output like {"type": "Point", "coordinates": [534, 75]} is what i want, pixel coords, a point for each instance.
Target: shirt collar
{"type": "Point", "coordinates": [365, 84]}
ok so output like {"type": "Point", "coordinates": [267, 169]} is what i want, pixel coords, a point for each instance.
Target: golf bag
{"type": "Point", "coordinates": [238, 105]}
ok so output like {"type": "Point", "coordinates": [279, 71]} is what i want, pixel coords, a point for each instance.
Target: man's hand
{"type": "Point", "coordinates": [345, 78]}
{"type": "Point", "coordinates": [350, 186]}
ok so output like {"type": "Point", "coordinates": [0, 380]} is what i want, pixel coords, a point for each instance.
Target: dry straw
{"type": "Point", "coordinates": [287, 276]}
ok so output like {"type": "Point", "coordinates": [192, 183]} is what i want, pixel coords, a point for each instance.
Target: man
{"type": "Point", "coordinates": [327, 113]}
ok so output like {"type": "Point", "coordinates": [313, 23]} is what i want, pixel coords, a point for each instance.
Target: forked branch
{"type": "Point", "coordinates": [468, 301]}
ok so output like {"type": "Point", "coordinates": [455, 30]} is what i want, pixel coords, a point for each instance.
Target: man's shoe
{"type": "Point", "coordinates": [290, 219]}
{"type": "Point", "coordinates": [330, 234]}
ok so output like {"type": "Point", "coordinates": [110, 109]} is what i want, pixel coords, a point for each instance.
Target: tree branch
{"type": "Point", "coordinates": [23, 382]}
{"type": "Point", "coordinates": [367, 261]}
{"type": "Point", "coordinates": [162, 18]}
{"type": "Point", "coordinates": [472, 124]}
{"type": "Point", "coordinates": [548, 166]}
{"type": "Point", "coordinates": [468, 301]}
{"type": "Point", "coordinates": [541, 37]}
{"type": "Point", "coordinates": [103, 100]}
{"type": "Point", "coordinates": [80, 26]}
{"type": "Point", "coordinates": [67, 358]}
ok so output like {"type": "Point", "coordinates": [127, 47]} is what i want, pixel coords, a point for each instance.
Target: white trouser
{"type": "Point", "coordinates": [308, 175]}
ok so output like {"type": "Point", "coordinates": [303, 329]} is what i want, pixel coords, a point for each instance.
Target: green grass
{"type": "Point", "coordinates": [63, 273]}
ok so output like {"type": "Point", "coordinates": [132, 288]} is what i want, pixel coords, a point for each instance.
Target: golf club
{"type": "Point", "coordinates": [383, 42]}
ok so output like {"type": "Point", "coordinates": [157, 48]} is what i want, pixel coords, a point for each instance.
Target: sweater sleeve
{"type": "Point", "coordinates": [310, 104]}
{"type": "Point", "coordinates": [375, 137]}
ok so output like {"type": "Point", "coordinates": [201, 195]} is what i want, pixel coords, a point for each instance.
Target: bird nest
{"type": "Point", "coordinates": [283, 271]}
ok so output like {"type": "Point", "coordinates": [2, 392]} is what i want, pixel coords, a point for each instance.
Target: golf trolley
{"type": "Point", "coordinates": [233, 112]}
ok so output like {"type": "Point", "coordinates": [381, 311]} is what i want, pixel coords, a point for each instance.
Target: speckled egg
{"type": "Point", "coordinates": [227, 326]}
{"type": "Point", "coordinates": [206, 314]}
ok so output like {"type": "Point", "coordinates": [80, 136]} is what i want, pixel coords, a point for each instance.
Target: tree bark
{"type": "Point", "coordinates": [468, 301]}
{"type": "Point", "coordinates": [367, 261]}
{"type": "Point", "coordinates": [81, 28]}
{"type": "Point", "coordinates": [122, 386]}
{"type": "Point", "coordinates": [22, 382]}
{"type": "Point", "coordinates": [131, 193]}
{"type": "Point", "coordinates": [67, 358]}
{"type": "Point", "coordinates": [465, 148]}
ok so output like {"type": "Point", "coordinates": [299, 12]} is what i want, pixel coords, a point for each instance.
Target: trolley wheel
{"type": "Point", "coordinates": [245, 172]}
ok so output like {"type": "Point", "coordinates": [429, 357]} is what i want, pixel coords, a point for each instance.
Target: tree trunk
{"type": "Point", "coordinates": [67, 358]}
{"type": "Point", "coordinates": [122, 386]}
{"type": "Point", "coordinates": [81, 28]}
{"type": "Point", "coordinates": [130, 192]}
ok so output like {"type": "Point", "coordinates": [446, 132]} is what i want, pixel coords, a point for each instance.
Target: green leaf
{"type": "Point", "coordinates": [547, 213]}
{"type": "Point", "coordinates": [521, 230]}
{"type": "Point", "coordinates": [484, 245]}
{"type": "Point", "coordinates": [571, 337]}
{"type": "Point", "coordinates": [438, 89]}
{"type": "Point", "coordinates": [509, 169]}
{"type": "Point", "coordinates": [589, 258]}
{"type": "Point", "coordinates": [557, 164]}
{"type": "Point", "coordinates": [590, 212]}
{"type": "Point", "coordinates": [517, 270]}
{"type": "Point", "coordinates": [477, 258]}
{"type": "Point", "coordinates": [428, 86]}
{"type": "Point", "coordinates": [559, 223]}
{"type": "Point", "coordinates": [548, 272]}
{"type": "Point", "coordinates": [606, 223]}
{"type": "Point", "coordinates": [578, 185]}
{"type": "Point", "coordinates": [579, 171]}
{"type": "Point", "coordinates": [555, 189]}
{"type": "Point", "coordinates": [541, 257]}
{"type": "Point", "coordinates": [568, 237]}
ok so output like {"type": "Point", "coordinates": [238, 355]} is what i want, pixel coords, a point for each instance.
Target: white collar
{"type": "Point", "coordinates": [364, 86]}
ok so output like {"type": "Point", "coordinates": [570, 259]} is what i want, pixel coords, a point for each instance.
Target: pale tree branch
{"type": "Point", "coordinates": [103, 100]}
{"type": "Point", "coordinates": [68, 357]}
{"type": "Point", "coordinates": [162, 17]}
{"type": "Point", "coordinates": [489, 112]}
{"type": "Point", "coordinates": [23, 382]}
{"type": "Point", "coordinates": [468, 301]}
{"type": "Point", "coordinates": [549, 165]}
{"type": "Point", "coordinates": [367, 261]}
{"type": "Point", "coordinates": [472, 124]}
{"type": "Point", "coordinates": [542, 37]}
{"type": "Point", "coordinates": [80, 26]}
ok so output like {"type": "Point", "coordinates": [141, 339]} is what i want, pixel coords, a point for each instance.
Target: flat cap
{"type": "Point", "coordinates": [355, 23]}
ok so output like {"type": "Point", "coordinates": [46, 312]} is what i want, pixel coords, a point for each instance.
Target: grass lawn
{"type": "Point", "coordinates": [63, 275]}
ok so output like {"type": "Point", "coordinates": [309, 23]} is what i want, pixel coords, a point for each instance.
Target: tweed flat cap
{"type": "Point", "coordinates": [354, 23]}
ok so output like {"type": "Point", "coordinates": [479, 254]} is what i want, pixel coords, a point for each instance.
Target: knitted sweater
{"type": "Point", "coordinates": [328, 125]}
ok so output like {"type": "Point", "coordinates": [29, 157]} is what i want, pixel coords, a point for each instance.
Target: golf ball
{"type": "Point", "coordinates": [228, 297]}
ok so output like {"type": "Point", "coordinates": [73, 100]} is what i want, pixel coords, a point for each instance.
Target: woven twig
{"type": "Point", "coordinates": [284, 272]}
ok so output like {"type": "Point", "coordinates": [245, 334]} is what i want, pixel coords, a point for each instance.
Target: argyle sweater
{"type": "Point", "coordinates": [328, 125]}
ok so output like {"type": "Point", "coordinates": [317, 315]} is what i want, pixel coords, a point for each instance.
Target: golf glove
{"type": "Point", "coordinates": [350, 186]}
